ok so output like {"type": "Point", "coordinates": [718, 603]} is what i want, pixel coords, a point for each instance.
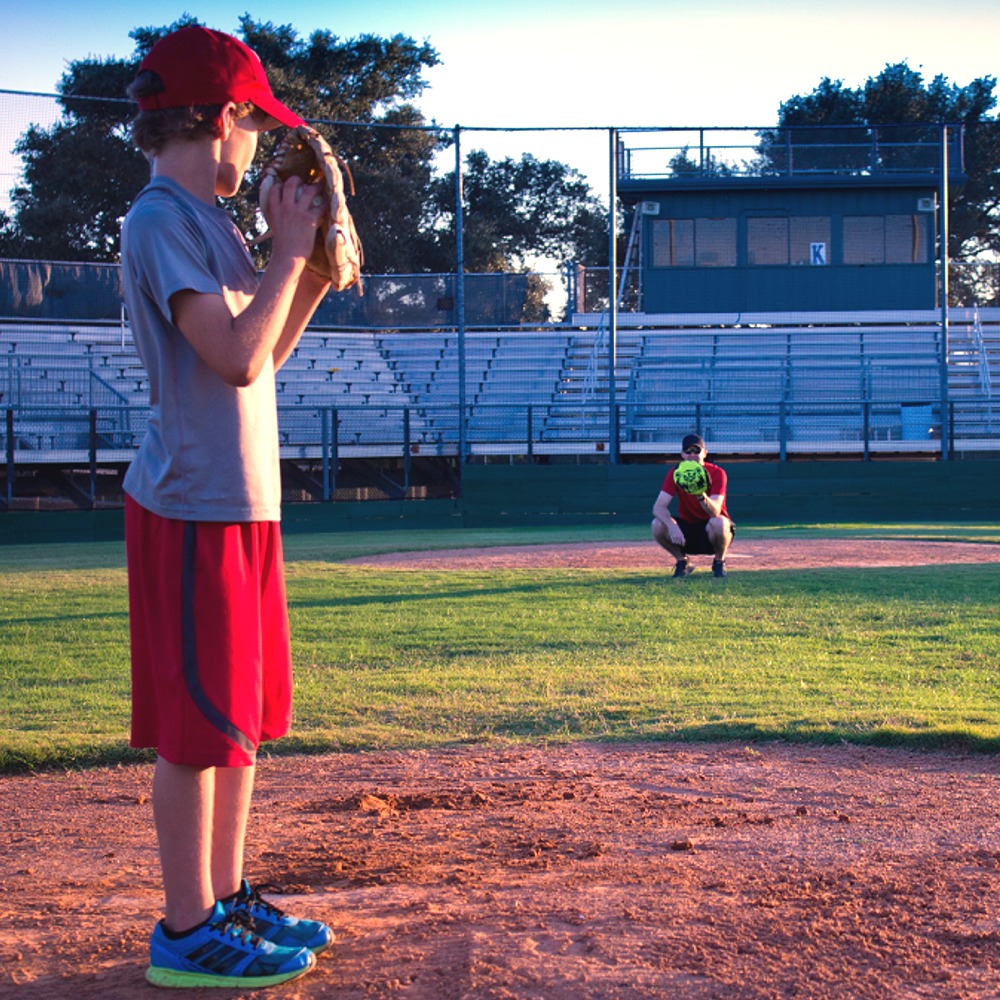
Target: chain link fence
{"type": "Point", "coordinates": [419, 368]}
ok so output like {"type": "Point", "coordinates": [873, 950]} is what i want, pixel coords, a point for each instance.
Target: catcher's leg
{"type": "Point", "coordinates": [662, 537]}
{"type": "Point", "coordinates": [720, 534]}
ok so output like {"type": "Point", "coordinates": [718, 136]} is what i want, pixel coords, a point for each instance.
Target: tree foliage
{"type": "Point", "coordinates": [81, 174]}
{"type": "Point", "coordinates": [682, 165]}
{"type": "Point", "coordinates": [899, 96]}
{"type": "Point", "coordinates": [514, 210]}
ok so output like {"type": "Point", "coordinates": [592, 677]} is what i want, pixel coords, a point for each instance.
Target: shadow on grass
{"type": "Point", "coordinates": [890, 582]}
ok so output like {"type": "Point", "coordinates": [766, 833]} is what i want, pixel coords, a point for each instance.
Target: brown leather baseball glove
{"type": "Point", "coordinates": [338, 254]}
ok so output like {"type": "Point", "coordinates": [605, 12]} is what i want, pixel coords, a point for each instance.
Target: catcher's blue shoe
{"type": "Point", "coordinates": [223, 951]}
{"type": "Point", "coordinates": [275, 925]}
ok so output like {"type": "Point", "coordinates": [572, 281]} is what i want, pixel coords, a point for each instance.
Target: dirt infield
{"type": "Point", "coordinates": [562, 871]}
{"type": "Point", "coordinates": [746, 554]}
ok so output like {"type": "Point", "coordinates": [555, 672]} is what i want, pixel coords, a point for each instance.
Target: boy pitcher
{"type": "Point", "coordinates": [211, 664]}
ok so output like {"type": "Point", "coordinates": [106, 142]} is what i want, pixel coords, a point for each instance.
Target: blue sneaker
{"type": "Point", "coordinates": [223, 951]}
{"type": "Point", "coordinates": [276, 926]}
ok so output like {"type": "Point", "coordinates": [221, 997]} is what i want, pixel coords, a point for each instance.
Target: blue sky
{"type": "Point", "coordinates": [570, 62]}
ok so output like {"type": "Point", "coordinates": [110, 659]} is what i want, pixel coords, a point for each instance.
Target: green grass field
{"type": "Point", "coordinates": [417, 659]}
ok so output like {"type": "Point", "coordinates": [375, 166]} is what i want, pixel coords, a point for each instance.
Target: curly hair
{"type": "Point", "coordinates": [151, 130]}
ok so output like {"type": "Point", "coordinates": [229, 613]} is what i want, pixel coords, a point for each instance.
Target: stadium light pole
{"type": "Point", "coordinates": [460, 300]}
{"type": "Point", "coordinates": [612, 295]}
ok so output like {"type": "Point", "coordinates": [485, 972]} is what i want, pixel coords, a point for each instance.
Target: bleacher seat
{"type": "Point", "coordinates": [735, 380]}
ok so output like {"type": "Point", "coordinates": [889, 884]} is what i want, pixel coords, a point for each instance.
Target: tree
{"type": "Point", "coordinates": [67, 210]}
{"type": "Point", "coordinates": [899, 97]}
{"type": "Point", "coordinates": [682, 165]}
{"type": "Point", "coordinates": [516, 211]}
{"type": "Point", "coordinates": [82, 173]}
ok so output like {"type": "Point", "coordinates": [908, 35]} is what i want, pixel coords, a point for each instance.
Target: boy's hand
{"type": "Point", "coordinates": [304, 153]}
{"type": "Point", "coordinates": [294, 212]}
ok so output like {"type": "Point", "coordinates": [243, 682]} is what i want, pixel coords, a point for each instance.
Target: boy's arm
{"type": "Point", "coordinates": [310, 292]}
{"type": "Point", "coordinates": [235, 341]}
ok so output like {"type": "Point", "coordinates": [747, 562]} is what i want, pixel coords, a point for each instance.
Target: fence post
{"type": "Point", "coordinates": [406, 450]}
{"type": "Point", "coordinates": [92, 438]}
{"type": "Point", "coordinates": [324, 451]}
{"type": "Point", "coordinates": [10, 455]}
{"type": "Point", "coordinates": [531, 433]}
{"type": "Point", "coordinates": [334, 452]}
{"type": "Point", "coordinates": [612, 293]}
{"type": "Point", "coordinates": [945, 291]}
{"type": "Point", "coordinates": [460, 300]}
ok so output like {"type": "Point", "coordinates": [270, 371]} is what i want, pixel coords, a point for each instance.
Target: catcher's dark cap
{"type": "Point", "coordinates": [201, 66]}
{"type": "Point", "coordinates": [690, 440]}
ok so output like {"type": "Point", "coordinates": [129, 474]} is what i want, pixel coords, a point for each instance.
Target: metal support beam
{"type": "Point", "coordinates": [612, 295]}
{"type": "Point", "coordinates": [946, 428]}
{"type": "Point", "coordinates": [460, 302]}
{"type": "Point", "coordinates": [92, 448]}
{"type": "Point", "coordinates": [11, 469]}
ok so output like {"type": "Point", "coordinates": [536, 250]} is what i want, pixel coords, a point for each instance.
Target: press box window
{"type": "Point", "coordinates": [785, 240]}
{"type": "Point", "coordinates": [886, 239]}
{"type": "Point", "coordinates": [673, 243]}
{"type": "Point", "coordinates": [694, 243]}
{"type": "Point", "coordinates": [715, 242]}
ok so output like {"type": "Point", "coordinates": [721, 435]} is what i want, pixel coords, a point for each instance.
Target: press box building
{"type": "Point", "coordinates": [819, 220]}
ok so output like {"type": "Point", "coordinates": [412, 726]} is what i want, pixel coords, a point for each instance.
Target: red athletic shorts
{"type": "Point", "coordinates": [208, 619]}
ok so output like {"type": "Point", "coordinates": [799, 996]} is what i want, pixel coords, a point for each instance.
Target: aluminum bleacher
{"type": "Point", "coordinates": [806, 382]}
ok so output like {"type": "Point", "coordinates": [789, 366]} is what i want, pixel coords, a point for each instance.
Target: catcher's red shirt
{"type": "Point", "coordinates": [688, 508]}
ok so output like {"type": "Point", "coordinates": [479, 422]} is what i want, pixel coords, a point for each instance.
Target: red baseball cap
{"type": "Point", "coordinates": [201, 66]}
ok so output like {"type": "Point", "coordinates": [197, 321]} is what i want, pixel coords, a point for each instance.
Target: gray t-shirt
{"type": "Point", "coordinates": [211, 449]}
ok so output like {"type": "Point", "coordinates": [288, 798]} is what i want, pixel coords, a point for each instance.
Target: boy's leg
{"type": "Point", "coordinates": [201, 821]}
{"type": "Point", "coordinates": [182, 811]}
{"type": "Point", "coordinates": [200, 816]}
{"type": "Point", "coordinates": [233, 793]}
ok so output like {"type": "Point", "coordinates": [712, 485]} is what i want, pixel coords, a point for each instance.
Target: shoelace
{"type": "Point", "coordinates": [255, 899]}
{"type": "Point", "coordinates": [239, 924]}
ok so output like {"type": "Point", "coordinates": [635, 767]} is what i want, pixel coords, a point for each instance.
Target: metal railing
{"type": "Point", "coordinates": [788, 151]}
{"type": "Point", "coordinates": [88, 438]}
{"type": "Point", "coordinates": [776, 385]}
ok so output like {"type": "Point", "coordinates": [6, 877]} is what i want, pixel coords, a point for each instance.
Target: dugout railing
{"type": "Point", "coordinates": [322, 439]}
{"type": "Point", "coordinates": [777, 387]}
